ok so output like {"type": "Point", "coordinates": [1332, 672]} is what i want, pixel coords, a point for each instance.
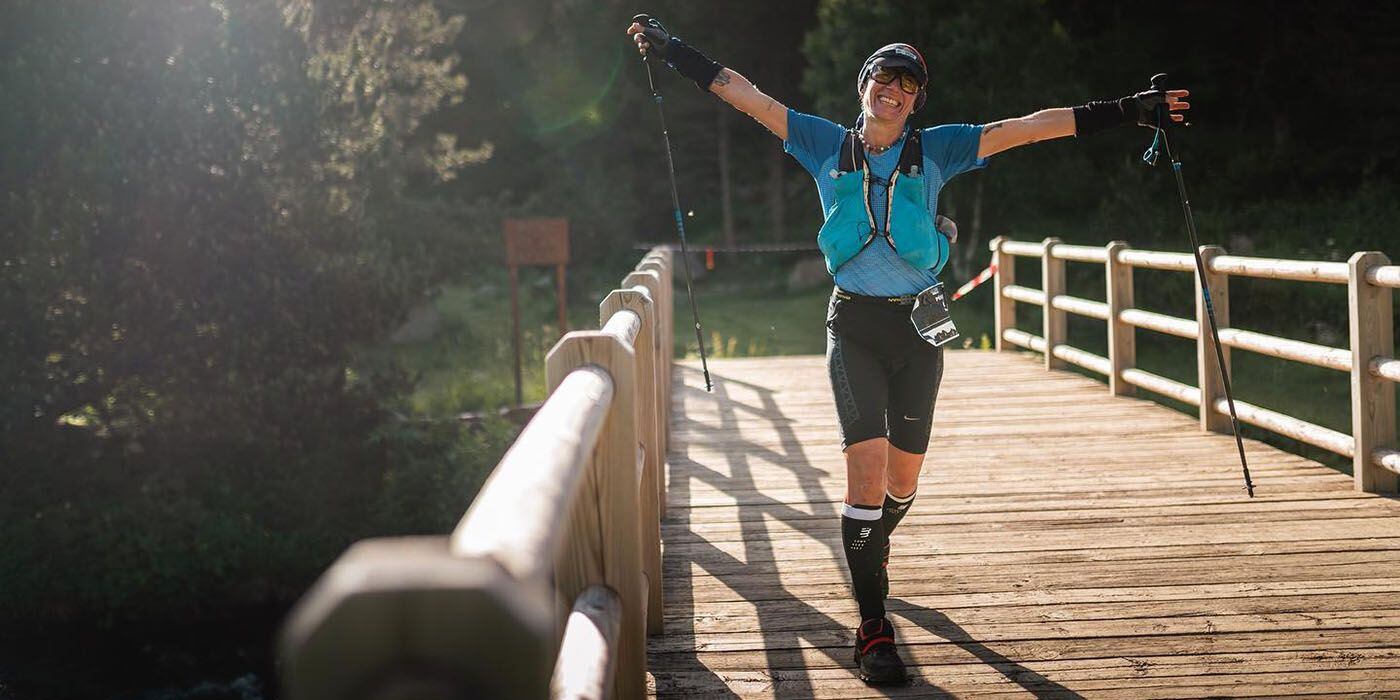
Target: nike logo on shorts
{"type": "Point", "coordinates": [910, 418]}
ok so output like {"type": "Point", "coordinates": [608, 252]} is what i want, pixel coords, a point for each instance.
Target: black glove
{"type": "Point", "coordinates": [655, 36]}
{"type": "Point", "coordinates": [1143, 107]}
{"type": "Point", "coordinates": [684, 59]}
{"type": "Point", "coordinates": [1140, 109]}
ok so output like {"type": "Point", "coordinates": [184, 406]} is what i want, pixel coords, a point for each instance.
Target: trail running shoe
{"type": "Point", "coordinates": [885, 573]}
{"type": "Point", "coordinates": [876, 658]}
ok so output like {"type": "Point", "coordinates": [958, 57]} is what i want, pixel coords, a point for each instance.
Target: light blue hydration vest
{"type": "Point", "coordinates": [909, 228]}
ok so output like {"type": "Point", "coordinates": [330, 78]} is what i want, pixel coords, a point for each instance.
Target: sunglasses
{"type": "Point", "coordinates": [907, 82]}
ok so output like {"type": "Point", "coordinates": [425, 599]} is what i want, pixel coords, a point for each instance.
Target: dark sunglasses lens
{"type": "Point", "coordinates": [885, 76]}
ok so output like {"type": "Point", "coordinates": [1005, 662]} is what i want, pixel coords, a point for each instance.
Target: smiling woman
{"type": "Point", "coordinates": [887, 319]}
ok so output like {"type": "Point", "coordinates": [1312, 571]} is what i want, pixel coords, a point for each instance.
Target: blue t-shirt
{"type": "Point", "coordinates": [877, 270]}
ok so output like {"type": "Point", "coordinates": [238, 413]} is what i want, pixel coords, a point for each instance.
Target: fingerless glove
{"type": "Point", "coordinates": [691, 63]}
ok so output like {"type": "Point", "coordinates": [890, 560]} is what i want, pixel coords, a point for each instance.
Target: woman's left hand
{"type": "Point", "coordinates": [1147, 101]}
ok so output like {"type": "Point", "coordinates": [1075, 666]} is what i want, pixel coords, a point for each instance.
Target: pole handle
{"type": "Point", "coordinates": [1149, 156]}
{"type": "Point", "coordinates": [1159, 83]}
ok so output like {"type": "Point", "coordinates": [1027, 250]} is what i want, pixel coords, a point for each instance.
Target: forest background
{"type": "Point", "coordinates": [217, 214]}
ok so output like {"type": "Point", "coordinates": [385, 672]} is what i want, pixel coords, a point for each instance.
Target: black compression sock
{"type": "Point", "coordinates": [864, 536]}
{"type": "Point", "coordinates": [894, 510]}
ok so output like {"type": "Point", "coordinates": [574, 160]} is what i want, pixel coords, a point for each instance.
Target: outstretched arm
{"type": "Point", "coordinates": [1010, 133]}
{"type": "Point", "coordinates": [745, 97]}
{"type": "Point", "coordinates": [652, 39]}
{"type": "Point", "coordinates": [1079, 121]}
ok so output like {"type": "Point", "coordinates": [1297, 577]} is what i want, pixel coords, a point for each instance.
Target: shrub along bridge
{"type": "Point", "coordinates": [644, 536]}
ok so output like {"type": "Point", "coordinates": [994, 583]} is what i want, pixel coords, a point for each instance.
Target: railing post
{"type": "Point", "coordinates": [609, 523]}
{"type": "Point", "coordinates": [640, 302]}
{"type": "Point", "coordinates": [1122, 337]}
{"type": "Point", "coordinates": [1052, 280]}
{"type": "Point", "coordinates": [391, 611]}
{"type": "Point", "coordinates": [659, 260]}
{"type": "Point", "coordinates": [1372, 397]}
{"type": "Point", "coordinates": [1207, 366]}
{"type": "Point", "coordinates": [1005, 307]}
{"type": "Point", "coordinates": [659, 376]}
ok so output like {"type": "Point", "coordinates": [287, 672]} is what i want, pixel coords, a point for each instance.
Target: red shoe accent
{"type": "Point", "coordinates": [876, 640]}
{"type": "Point", "coordinates": [880, 635]}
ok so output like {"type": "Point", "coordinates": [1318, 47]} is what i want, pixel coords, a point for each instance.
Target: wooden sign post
{"type": "Point", "coordinates": [535, 242]}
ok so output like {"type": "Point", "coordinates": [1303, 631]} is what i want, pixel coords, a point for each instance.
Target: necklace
{"type": "Point", "coordinates": [877, 150]}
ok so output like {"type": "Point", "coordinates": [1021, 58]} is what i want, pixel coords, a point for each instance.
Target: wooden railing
{"type": "Point", "coordinates": [552, 580]}
{"type": "Point", "coordinates": [1370, 360]}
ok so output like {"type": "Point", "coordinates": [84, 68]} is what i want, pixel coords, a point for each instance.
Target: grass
{"type": "Point", "coordinates": [747, 311]}
{"type": "Point", "coordinates": [742, 318]}
{"type": "Point", "coordinates": [467, 365]}
{"type": "Point", "coordinates": [1313, 394]}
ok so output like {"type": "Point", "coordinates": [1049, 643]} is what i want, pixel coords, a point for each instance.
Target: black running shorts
{"type": "Point", "coordinates": [884, 376]}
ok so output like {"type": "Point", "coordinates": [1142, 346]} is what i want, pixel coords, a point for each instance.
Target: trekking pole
{"type": "Point", "coordinates": [1159, 141]}
{"type": "Point", "coordinates": [647, 20]}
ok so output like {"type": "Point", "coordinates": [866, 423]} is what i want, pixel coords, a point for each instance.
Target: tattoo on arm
{"type": "Point", "coordinates": [721, 79]}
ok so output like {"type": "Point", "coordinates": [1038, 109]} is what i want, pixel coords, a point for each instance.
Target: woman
{"type": "Point", "coordinates": [879, 184]}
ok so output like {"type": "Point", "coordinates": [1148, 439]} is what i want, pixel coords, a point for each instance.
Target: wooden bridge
{"type": "Point", "coordinates": [645, 536]}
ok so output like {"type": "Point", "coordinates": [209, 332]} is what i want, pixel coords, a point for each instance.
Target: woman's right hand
{"type": "Point", "coordinates": [649, 34]}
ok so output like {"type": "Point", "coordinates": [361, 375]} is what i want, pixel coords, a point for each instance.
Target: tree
{"type": "Point", "coordinates": [198, 205]}
{"type": "Point", "coordinates": [205, 213]}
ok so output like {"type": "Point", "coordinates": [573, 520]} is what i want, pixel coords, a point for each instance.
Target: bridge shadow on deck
{"type": "Point", "coordinates": [786, 623]}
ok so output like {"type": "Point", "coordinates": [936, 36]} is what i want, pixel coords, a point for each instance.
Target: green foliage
{"type": "Point", "coordinates": [207, 207]}
{"type": "Point", "coordinates": [204, 206]}
{"type": "Point", "coordinates": [121, 538]}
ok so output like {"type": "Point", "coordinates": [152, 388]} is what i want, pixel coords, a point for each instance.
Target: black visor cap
{"type": "Point", "coordinates": [902, 63]}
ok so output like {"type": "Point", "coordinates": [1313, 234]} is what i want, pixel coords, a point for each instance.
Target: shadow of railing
{"type": "Point", "coordinates": [756, 577]}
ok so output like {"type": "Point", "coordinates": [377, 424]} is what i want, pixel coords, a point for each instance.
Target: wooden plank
{"type": "Point", "coordinates": [726, 568]}
{"type": "Point", "coordinates": [1101, 658]}
{"type": "Point", "coordinates": [1064, 541]}
{"type": "Point", "coordinates": [802, 652]}
{"type": "Point", "coordinates": [1160, 617]}
{"type": "Point", "coordinates": [1046, 679]}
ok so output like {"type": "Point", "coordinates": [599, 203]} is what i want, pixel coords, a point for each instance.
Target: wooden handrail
{"type": "Point", "coordinates": [1287, 349]}
{"type": "Point", "coordinates": [1384, 276]}
{"type": "Point", "coordinates": [1082, 358]}
{"type": "Point", "coordinates": [537, 478]}
{"type": "Point", "coordinates": [486, 611]}
{"type": "Point", "coordinates": [1387, 459]}
{"type": "Point", "coordinates": [588, 651]}
{"type": "Point", "coordinates": [1283, 424]}
{"type": "Point", "coordinates": [1024, 294]}
{"type": "Point", "coordinates": [1370, 361]}
{"type": "Point", "coordinates": [1162, 323]}
{"type": "Point", "coordinates": [1387, 367]}
{"type": "Point", "coordinates": [1083, 307]}
{"type": "Point", "coordinates": [1179, 262]}
{"type": "Point", "coordinates": [1184, 393]}
{"type": "Point", "coordinates": [1268, 268]}
{"type": "Point", "coordinates": [1015, 336]}
{"type": "Point", "coordinates": [1023, 249]}
{"type": "Point", "coordinates": [1080, 253]}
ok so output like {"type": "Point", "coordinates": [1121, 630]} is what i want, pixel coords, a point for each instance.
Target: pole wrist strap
{"type": "Point", "coordinates": [1096, 116]}
{"type": "Point", "coordinates": [691, 63]}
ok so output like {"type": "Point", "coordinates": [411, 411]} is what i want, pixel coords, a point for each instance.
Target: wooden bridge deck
{"type": "Point", "coordinates": [1064, 543]}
